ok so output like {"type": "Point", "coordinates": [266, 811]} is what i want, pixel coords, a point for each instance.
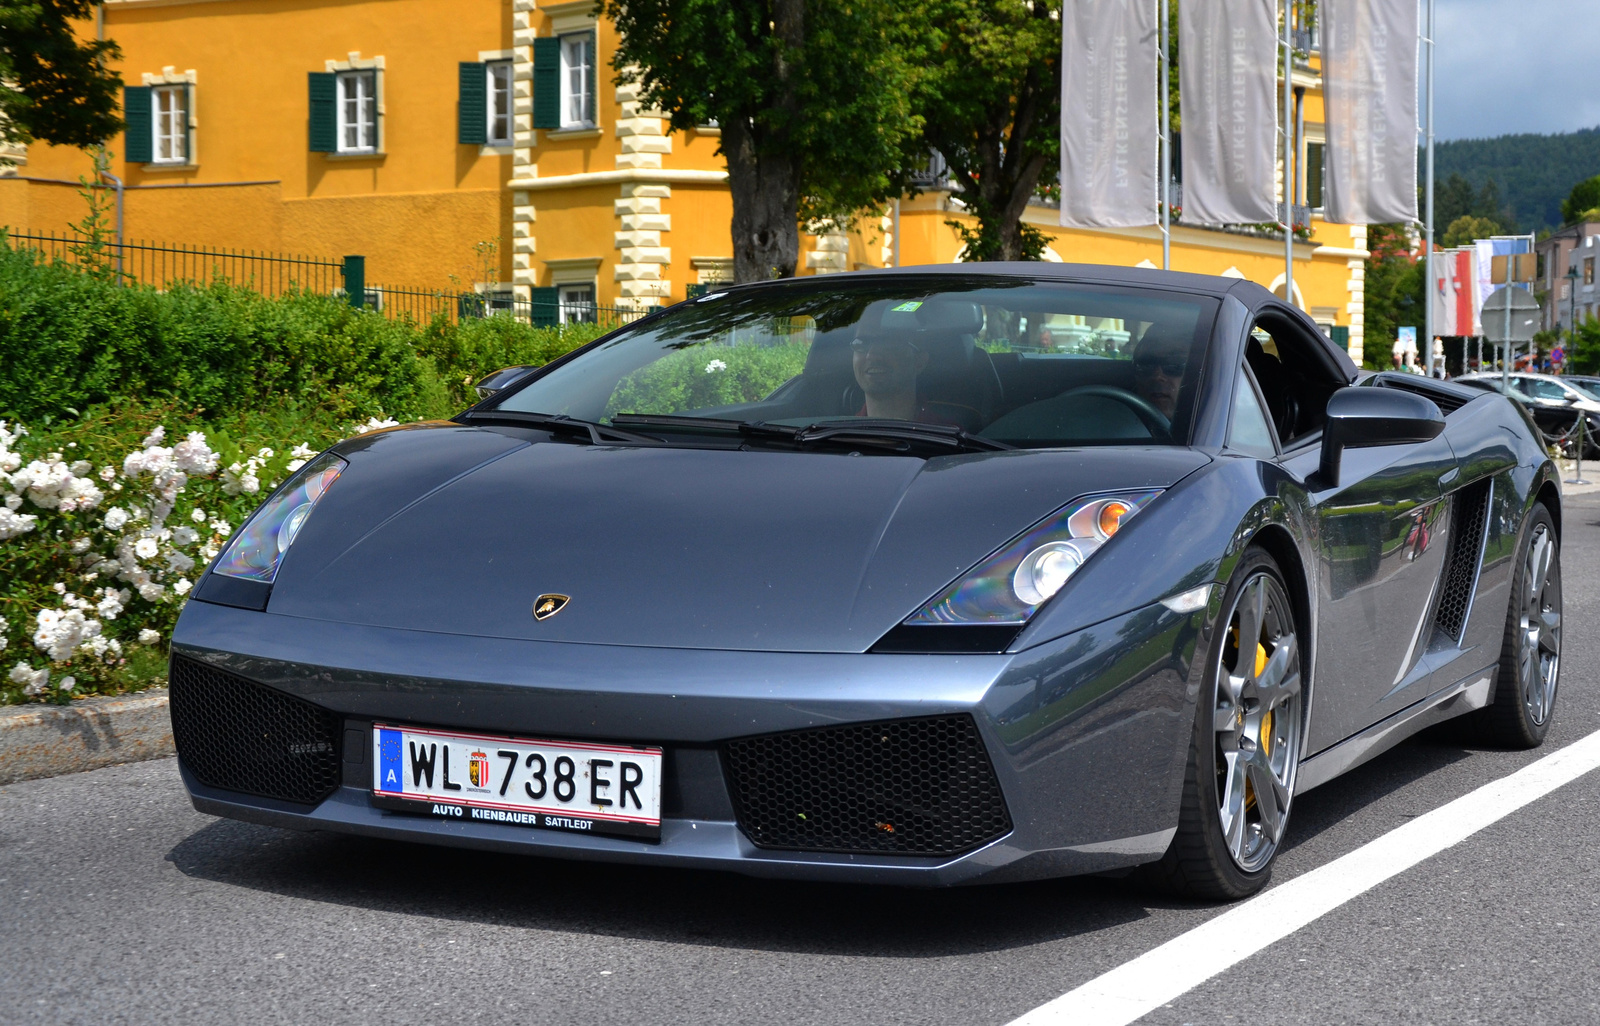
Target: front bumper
{"type": "Point", "coordinates": [1087, 734]}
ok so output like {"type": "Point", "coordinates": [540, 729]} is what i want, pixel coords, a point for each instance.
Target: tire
{"type": "Point", "coordinates": [1227, 835]}
{"type": "Point", "coordinates": [1530, 652]}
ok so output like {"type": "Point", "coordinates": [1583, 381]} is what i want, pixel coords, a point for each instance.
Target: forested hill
{"type": "Point", "coordinates": [1534, 172]}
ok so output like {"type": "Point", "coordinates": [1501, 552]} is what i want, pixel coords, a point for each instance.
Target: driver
{"type": "Point", "coordinates": [1159, 362]}
{"type": "Point", "coordinates": [886, 366]}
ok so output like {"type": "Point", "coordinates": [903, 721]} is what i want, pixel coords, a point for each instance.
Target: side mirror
{"type": "Point", "coordinates": [500, 379]}
{"type": "Point", "coordinates": [1360, 417]}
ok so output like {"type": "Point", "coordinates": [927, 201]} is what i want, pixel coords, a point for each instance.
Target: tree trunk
{"type": "Point", "coordinates": [766, 208]}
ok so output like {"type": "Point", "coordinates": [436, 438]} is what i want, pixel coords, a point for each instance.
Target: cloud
{"type": "Point", "coordinates": [1515, 67]}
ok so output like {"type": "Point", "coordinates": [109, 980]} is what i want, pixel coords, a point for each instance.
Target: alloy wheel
{"type": "Point", "coordinates": [1257, 721]}
{"type": "Point", "coordinates": [1539, 655]}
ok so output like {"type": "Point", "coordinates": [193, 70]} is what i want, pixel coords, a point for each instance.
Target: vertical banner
{"type": "Point", "coordinates": [1369, 71]}
{"type": "Point", "coordinates": [1109, 126]}
{"type": "Point", "coordinates": [1228, 77]}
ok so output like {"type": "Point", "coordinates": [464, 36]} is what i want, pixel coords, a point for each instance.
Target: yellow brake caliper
{"type": "Point", "coordinates": [1266, 727]}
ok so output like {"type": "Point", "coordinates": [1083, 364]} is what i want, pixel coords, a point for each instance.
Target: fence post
{"type": "Point", "coordinates": [355, 280]}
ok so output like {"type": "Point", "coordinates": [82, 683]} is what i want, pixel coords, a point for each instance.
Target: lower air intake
{"type": "Point", "coordinates": [902, 787]}
{"type": "Point", "coordinates": [238, 735]}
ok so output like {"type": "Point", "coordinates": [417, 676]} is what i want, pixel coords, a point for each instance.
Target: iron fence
{"type": "Point", "coordinates": [163, 265]}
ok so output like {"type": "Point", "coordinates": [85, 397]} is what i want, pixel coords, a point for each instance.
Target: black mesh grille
{"type": "Point", "coordinates": [1466, 547]}
{"type": "Point", "coordinates": [238, 735]}
{"type": "Point", "coordinates": [908, 787]}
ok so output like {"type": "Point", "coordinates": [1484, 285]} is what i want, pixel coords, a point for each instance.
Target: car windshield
{"type": "Point", "coordinates": [1007, 363]}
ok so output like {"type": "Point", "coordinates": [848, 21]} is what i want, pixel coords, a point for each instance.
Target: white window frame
{"type": "Point", "coordinates": [169, 128]}
{"type": "Point", "coordinates": [576, 302]}
{"type": "Point", "coordinates": [577, 69]}
{"type": "Point", "coordinates": [498, 100]}
{"type": "Point", "coordinates": [366, 101]}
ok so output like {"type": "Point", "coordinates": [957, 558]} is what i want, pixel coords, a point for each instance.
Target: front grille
{"type": "Point", "coordinates": [238, 735]}
{"type": "Point", "coordinates": [902, 787]}
{"type": "Point", "coordinates": [1468, 514]}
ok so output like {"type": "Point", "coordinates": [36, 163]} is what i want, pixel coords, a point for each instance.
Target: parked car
{"type": "Point", "coordinates": [823, 578]}
{"type": "Point", "coordinates": [1555, 403]}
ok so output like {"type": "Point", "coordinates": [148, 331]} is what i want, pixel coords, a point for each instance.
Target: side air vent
{"type": "Point", "coordinates": [1469, 515]}
{"type": "Point", "coordinates": [238, 735]}
{"type": "Point", "coordinates": [1449, 398]}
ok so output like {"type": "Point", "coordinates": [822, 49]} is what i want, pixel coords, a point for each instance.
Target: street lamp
{"type": "Point", "coordinates": [1572, 317]}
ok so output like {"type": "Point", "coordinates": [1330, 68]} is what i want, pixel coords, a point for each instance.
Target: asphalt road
{"type": "Point", "coordinates": [120, 904]}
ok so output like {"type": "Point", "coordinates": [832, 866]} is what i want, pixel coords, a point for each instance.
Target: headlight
{"type": "Point", "coordinates": [1010, 585]}
{"type": "Point", "coordinates": [256, 551]}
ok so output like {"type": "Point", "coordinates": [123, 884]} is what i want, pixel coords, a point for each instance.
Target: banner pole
{"type": "Point", "coordinates": [1166, 136]}
{"type": "Point", "coordinates": [1288, 155]}
{"type": "Point", "coordinates": [1427, 245]}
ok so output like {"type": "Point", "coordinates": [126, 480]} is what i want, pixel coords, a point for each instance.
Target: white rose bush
{"type": "Point", "coordinates": [99, 550]}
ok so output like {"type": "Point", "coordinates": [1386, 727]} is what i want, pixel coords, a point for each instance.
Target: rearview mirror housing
{"type": "Point", "coordinates": [499, 380]}
{"type": "Point", "coordinates": [1365, 416]}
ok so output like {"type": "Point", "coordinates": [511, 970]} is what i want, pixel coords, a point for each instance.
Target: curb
{"type": "Point", "coordinates": [49, 740]}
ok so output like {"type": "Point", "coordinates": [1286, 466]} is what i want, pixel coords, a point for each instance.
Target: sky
{"type": "Point", "coordinates": [1508, 66]}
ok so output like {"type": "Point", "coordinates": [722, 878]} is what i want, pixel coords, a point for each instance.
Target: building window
{"type": "Point", "coordinates": [577, 304]}
{"type": "Point", "coordinates": [577, 80]}
{"type": "Point", "coordinates": [358, 111]}
{"type": "Point", "coordinates": [1588, 271]}
{"type": "Point", "coordinates": [1314, 167]}
{"type": "Point", "coordinates": [170, 112]}
{"type": "Point", "coordinates": [498, 111]}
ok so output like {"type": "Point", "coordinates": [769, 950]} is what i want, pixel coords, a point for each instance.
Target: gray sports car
{"type": "Point", "coordinates": [930, 576]}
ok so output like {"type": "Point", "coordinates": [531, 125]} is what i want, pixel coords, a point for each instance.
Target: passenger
{"type": "Point", "coordinates": [886, 366]}
{"type": "Point", "coordinates": [1159, 362]}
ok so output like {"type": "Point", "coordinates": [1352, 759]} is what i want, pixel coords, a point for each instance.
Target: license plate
{"type": "Point", "coordinates": [552, 785]}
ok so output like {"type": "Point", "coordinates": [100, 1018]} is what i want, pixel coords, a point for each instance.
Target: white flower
{"type": "Point", "coordinates": [291, 467]}
{"type": "Point", "coordinates": [68, 683]}
{"type": "Point", "coordinates": [111, 602]}
{"type": "Point", "coordinates": [184, 536]}
{"type": "Point", "coordinates": [81, 545]}
{"type": "Point", "coordinates": [82, 468]}
{"type": "Point", "coordinates": [149, 637]}
{"type": "Point", "coordinates": [145, 548]}
{"type": "Point", "coordinates": [375, 424]}
{"type": "Point", "coordinates": [116, 518]}
{"type": "Point", "coordinates": [152, 592]}
{"type": "Point", "coordinates": [13, 524]}
{"type": "Point", "coordinates": [179, 562]}
{"type": "Point", "coordinates": [714, 366]}
{"type": "Point", "coordinates": [198, 516]}
{"type": "Point", "coordinates": [108, 473]}
{"type": "Point", "coordinates": [13, 501]}
{"type": "Point", "coordinates": [154, 437]}
{"type": "Point", "coordinates": [265, 454]}
{"type": "Point", "coordinates": [32, 681]}
{"type": "Point", "coordinates": [182, 586]}
{"type": "Point", "coordinates": [60, 632]}
{"type": "Point", "coordinates": [193, 455]}
{"type": "Point", "coordinates": [302, 452]}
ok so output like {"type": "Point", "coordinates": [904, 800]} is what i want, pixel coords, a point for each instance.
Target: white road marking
{"type": "Point", "coordinates": [1165, 973]}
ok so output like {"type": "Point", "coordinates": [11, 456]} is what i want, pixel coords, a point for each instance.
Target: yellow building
{"type": "Point", "coordinates": [426, 135]}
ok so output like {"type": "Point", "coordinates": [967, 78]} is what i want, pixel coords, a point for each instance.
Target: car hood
{"type": "Point", "coordinates": [458, 530]}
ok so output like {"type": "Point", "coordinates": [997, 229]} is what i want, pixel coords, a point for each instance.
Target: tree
{"type": "Point", "coordinates": [991, 97]}
{"type": "Point", "coordinates": [1466, 228]}
{"type": "Point", "coordinates": [812, 98]}
{"type": "Point", "coordinates": [1455, 198]}
{"type": "Point", "coordinates": [1582, 201]}
{"type": "Point", "coordinates": [1395, 289]}
{"type": "Point", "coordinates": [53, 86]}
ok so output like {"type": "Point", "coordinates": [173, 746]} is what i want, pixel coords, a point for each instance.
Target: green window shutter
{"type": "Point", "coordinates": [323, 117]}
{"type": "Point", "coordinates": [547, 82]}
{"type": "Point", "coordinates": [696, 291]}
{"type": "Point", "coordinates": [1314, 158]}
{"type": "Point", "coordinates": [594, 59]}
{"type": "Point", "coordinates": [1341, 336]}
{"type": "Point", "coordinates": [136, 112]}
{"type": "Point", "coordinates": [472, 110]}
{"type": "Point", "coordinates": [544, 310]}
{"type": "Point", "coordinates": [188, 123]}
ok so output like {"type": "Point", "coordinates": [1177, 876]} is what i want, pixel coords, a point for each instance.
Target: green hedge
{"type": "Point", "coordinates": [70, 341]}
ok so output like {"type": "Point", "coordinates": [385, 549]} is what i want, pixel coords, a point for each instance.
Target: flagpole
{"type": "Point", "coordinates": [1288, 155]}
{"type": "Point", "coordinates": [1427, 245]}
{"type": "Point", "coordinates": [1166, 137]}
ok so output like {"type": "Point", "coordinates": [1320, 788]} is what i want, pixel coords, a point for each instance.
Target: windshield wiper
{"type": "Point", "coordinates": [559, 423]}
{"type": "Point", "coordinates": [899, 434]}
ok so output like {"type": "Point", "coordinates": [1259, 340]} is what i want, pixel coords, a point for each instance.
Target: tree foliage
{"type": "Point", "coordinates": [54, 86]}
{"type": "Point", "coordinates": [812, 98]}
{"type": "Point", "coordinates": [1534, 172]}
{"type": "Point", "coordinates": [1456, 198]}
{"type": "Point", "coordinates": [1464, 229]}
{"type": "Point", "coordinates": [1582, 202]}
{"type": "Point", "coordinates": [992, 99]}
{"type": "Point", "coordinates": [1395, 288]}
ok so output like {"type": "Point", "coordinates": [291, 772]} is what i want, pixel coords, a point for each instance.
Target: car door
{"type": "Point", "coordinates": [1378, 535]}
